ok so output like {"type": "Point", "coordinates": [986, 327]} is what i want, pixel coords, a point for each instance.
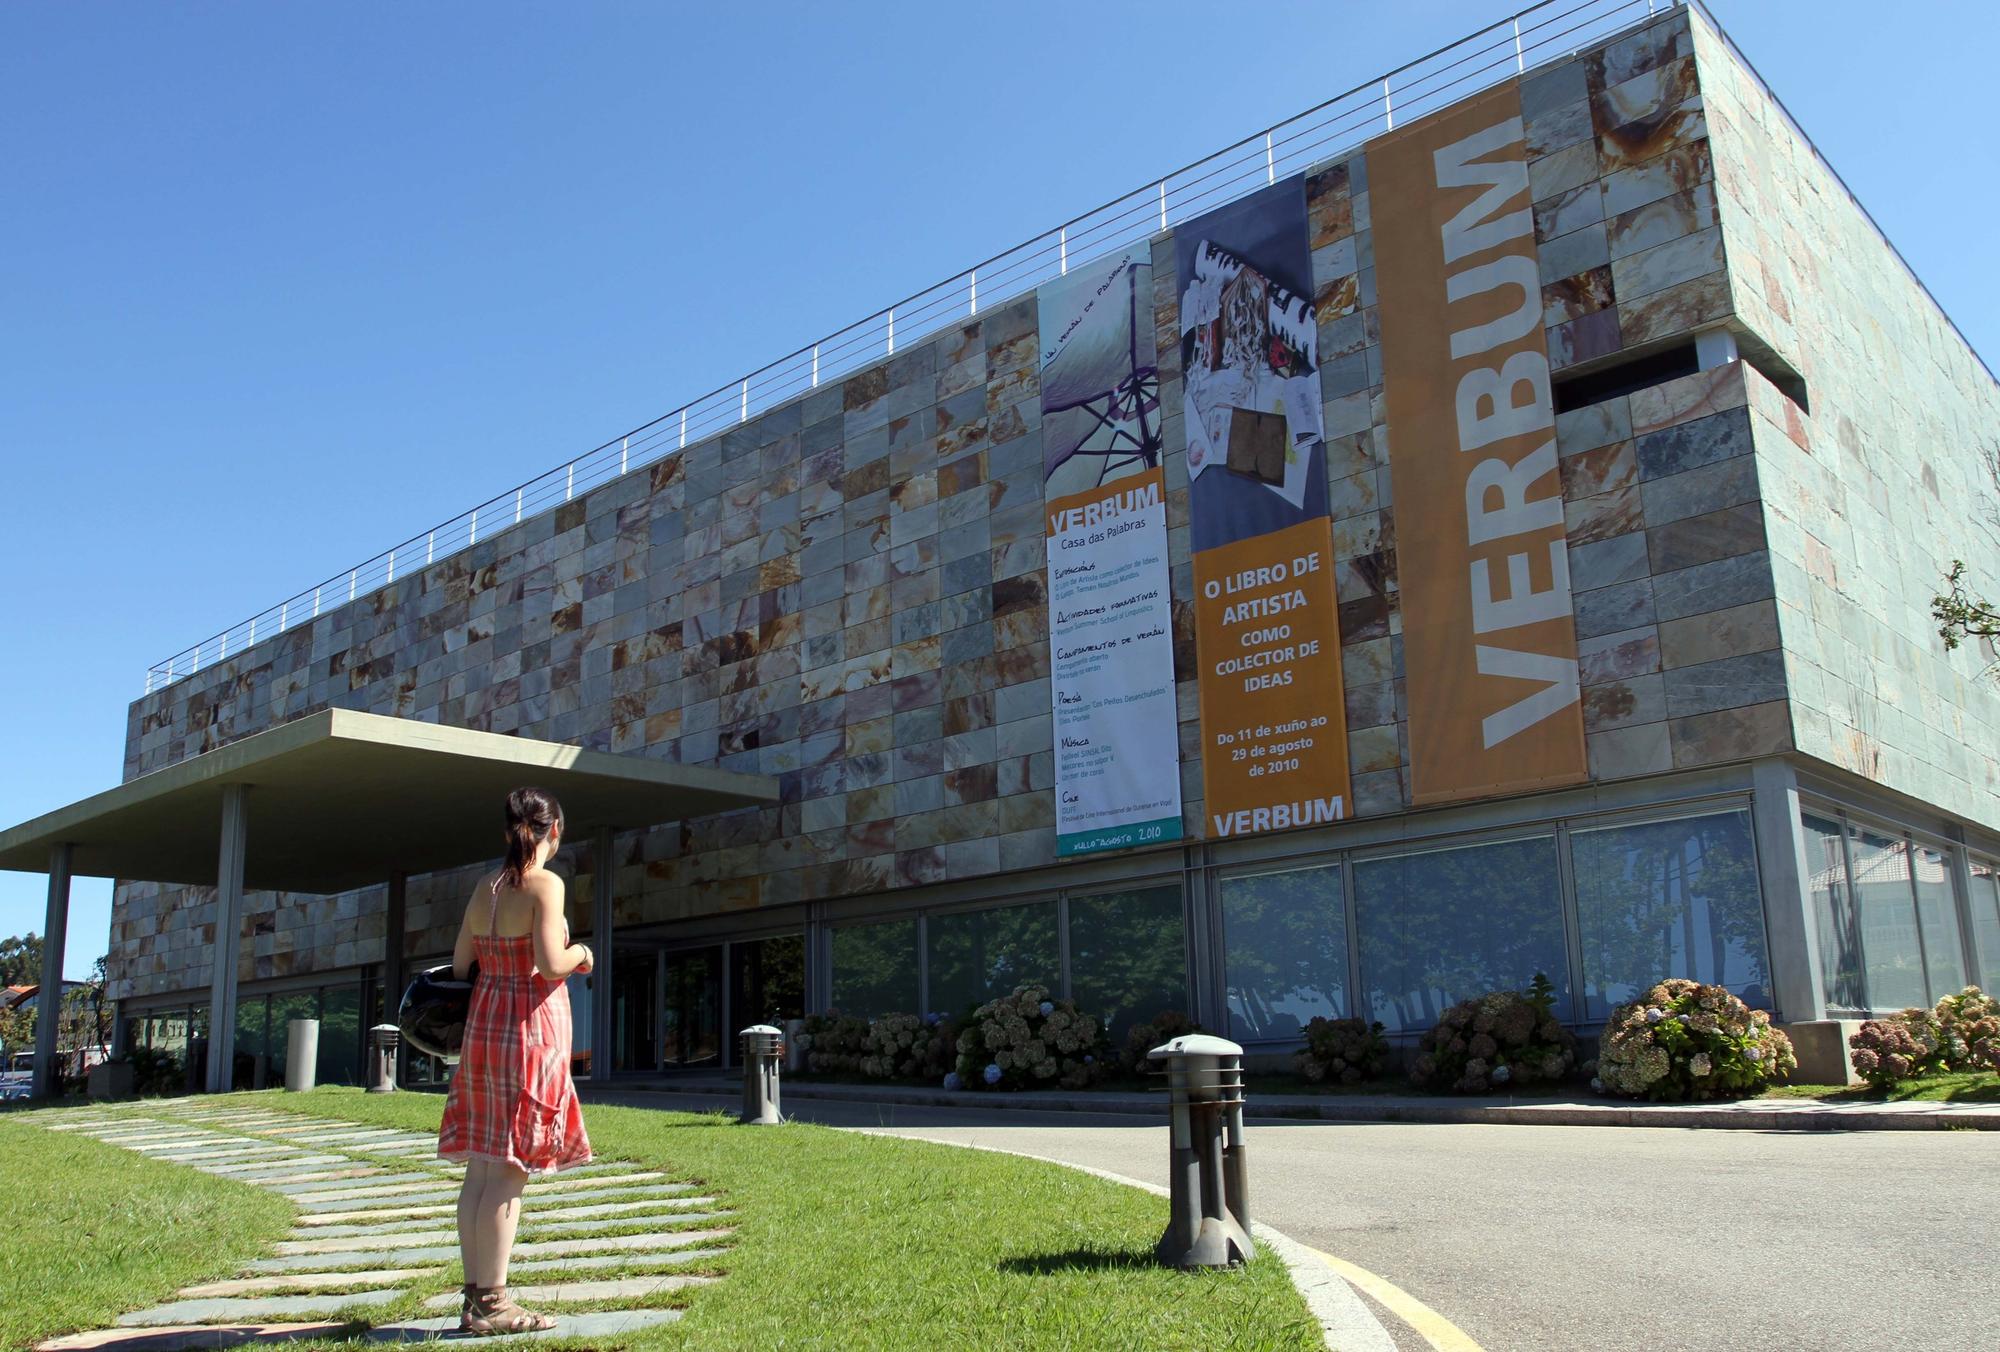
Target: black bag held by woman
{"type": "Point", "coordinates": [434, 1009]}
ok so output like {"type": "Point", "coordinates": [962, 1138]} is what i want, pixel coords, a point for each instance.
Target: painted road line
{"type": "Point", "coordinates": [1431, 1326]}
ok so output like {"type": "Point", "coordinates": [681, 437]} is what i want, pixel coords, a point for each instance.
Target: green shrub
{"type": "Point", "coordinates": [1346, 1050]}
{"type": "Point", "coordinates": [1685, 1040]}
{"type": "Point", "coordinates": [1028, 1041]}
{"type": "Point", "coordinates": [1499, 1040]}
{"type": "Point", "coordinates": [834, 1042]}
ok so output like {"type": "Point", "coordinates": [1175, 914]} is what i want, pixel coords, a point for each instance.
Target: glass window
{"type": "Point", "coordinates": [767, 981]}
{"type": "Point", "coordinates": [875, 969]}
{"type": "Point", "coordinates": [1937, 916]}
{"type": "Point", "coordinates": [340, 1036]}
{"type": "Point", "coordinates": [1673, 898]}
{"type": "Point", "coordinates": [1128, 956]}
{"type": "Point", "coordinates": [1285, 947]}
{"type": "Point", "coordinates": [252, 1042]}
{"type": "Point", "coordinates": [1888, 911]}
{"type": "Point", "coordinates": [1445, 925]}
{"type": "Point", "coordinates": [1834, 915]}
{"type": "Point", "coordinates": [976, 956]}
{"type": "Point", "coordinates": [1986, 921]}
{"type": "Point", "coordinates": [580, 1026]}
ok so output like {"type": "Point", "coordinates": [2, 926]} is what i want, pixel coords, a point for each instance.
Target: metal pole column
{"type": "Point", "coordinates": [603, 886]}
{"type": "Point", "coordinates": [48, 1001]}
{"type": "Point", "coordinates": [395, 925]}
{"type": "Point", "coordinates": [228, 940]}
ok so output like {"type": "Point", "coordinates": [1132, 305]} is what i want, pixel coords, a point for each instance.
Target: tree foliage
{"type": "Point", "coordinates": [1963, 614]}
{"type": "Point", "coordinates": [21, 960]}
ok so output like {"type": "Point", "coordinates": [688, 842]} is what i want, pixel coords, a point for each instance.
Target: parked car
{"type": "Point", "coordinates": [17, 1080]}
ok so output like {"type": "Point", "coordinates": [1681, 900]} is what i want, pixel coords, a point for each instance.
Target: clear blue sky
{"type": "Point", "coordinates": [285, 284]}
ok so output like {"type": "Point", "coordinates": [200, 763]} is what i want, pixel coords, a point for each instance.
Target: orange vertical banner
{"type": "Point", "coordinates": [1489, 638]}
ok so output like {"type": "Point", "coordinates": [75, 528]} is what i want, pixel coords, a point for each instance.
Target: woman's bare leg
{"type": "Point", "coordinates": [471, 1254]}
{"type": "Point", "coordinates": [489, 1212]}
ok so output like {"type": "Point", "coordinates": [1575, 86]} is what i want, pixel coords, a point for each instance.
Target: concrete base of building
{"type": "Point", "coordinates": [1821, 1045]}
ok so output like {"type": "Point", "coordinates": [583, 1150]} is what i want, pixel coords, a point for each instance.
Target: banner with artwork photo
{"type": "Point", "coordinates": [1267, 630]}
{"type": "Point", "coordinates": [1111, 660]}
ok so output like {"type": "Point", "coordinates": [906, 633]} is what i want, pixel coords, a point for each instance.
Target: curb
{"type": "Point", "coordinates": [1346, 1324]}
{"type": "Point", "coordinates": [1805, 1117]}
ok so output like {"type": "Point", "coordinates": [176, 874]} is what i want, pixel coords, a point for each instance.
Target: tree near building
{"type": "Point", "coordinates": [1963, 614]}
{"type": "Point", "coordinates": [20, 960]}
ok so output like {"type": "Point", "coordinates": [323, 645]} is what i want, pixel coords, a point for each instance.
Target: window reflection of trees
{"type": "Point", "coordinates": [1128, 955]}
{"type": "Point", "coordinates": [1285, 938]}
{"type": "Point", "coordinates": [875, 968]}
{"type": "Point", "coordinates": [1674, 898]}
{"type": "Point", "coordinates": [976, 956]}
{"type": "Point", "coordinates": [1835, 915]}
{"type": "Point", "coordinates": [1438, 927]}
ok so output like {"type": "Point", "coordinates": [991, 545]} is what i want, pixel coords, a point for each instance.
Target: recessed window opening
{"type": "Point", "coordinates": [1636, 373]}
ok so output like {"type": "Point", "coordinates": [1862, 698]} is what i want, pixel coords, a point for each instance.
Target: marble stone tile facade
{"type": "Point", "coordinates": [1892, 473]}
{"type": "Point", "coordinates": [848, 592]}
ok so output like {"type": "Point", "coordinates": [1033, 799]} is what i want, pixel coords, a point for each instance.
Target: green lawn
{"type": "Point", "coordinates": [91, 1230]}
{"type": "Point", "coordinates": [1958, 1087]}
{"type": "Point", "coordinates": [848, 1241]}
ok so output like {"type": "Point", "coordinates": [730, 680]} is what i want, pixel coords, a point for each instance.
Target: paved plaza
{"type": "Point", "coordinates": [375, 1232]}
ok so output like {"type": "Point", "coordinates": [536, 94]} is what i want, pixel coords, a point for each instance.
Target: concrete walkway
{"type": "Point", "coordinates": [1744, 1114]}
{"type": "Point", "coordinates": [374, 1246]}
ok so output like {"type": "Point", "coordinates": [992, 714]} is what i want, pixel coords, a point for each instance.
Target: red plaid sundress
{"type": "Point", "coordinates": [512, 1100]}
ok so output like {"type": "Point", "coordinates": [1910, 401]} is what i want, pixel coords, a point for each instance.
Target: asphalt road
{"type": "Point", "coordinates": [1591, 1238]}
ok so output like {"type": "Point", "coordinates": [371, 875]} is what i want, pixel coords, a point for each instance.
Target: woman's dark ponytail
{"type": "Point", "coordinates": [531, 815]}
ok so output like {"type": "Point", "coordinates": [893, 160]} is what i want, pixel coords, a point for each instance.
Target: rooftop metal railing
{"type": "Point", "coordinates": [1531, 37]}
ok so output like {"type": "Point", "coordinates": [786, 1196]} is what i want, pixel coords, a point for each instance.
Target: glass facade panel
{"type": "Point", "coordinates": [1937, 915]}
{"type": "Point", "coordinates": [1439, 927]}
{"type": "Point", "coordinates": [580, 1026]}
{"type": "Point", "coordinates": [767, 982]}
{"type": "Point", "coordinates": [1664, 899]}
{"type": "Point", "coordinates": [1128, 956]}
{"type": "Point", "coordinates": [252, 1015]}
{"type": "Point", "coordinates": [875, 969]}
{"type": "Point", "coordinates": [1285, 946]}
{"type": "Point", "coordinates": [1839, 924]}
{"type": "Point", "coordinates": [1887, 908]}
{"type": "Point", "coordinates": [1986, 922]}
{"type": "Point", "coordinates": [340, 1036]}
{"type": "Point", "coordinates": [976, 956]}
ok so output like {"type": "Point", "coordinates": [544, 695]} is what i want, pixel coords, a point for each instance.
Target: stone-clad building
{"type": "Point", "coordinates": [1772, 444]}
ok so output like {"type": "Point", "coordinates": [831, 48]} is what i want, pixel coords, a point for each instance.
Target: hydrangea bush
{"type": "Point", "coordinates": [1962, 1033]}
{"type": "Point", "coordinates": [1969, 1028]}
{"type": "Point", "coordinates": [1346, 1050]}
{"type": "Point", "coordinates": [834, 1042]}
{"type": "Point", "coordinates": [1686, 1040]}
{"type": "Point", "coordinates": [1497, 1040]}
{"type": "Point", "coordinates": [1141, 1038]}
{"type": "Point", "coordinates": [1028, 1040]}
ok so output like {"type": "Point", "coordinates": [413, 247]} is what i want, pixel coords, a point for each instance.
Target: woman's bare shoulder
{"type": "Point", "coordinates": [543, 885]}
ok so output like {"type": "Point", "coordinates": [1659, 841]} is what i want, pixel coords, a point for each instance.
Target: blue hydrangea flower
{"type": "Point", "coordinates": [991, 1074]}
{"type": "Point", "coordinates": [1090, 1060]}
{"type": "Point", "coordinates": [1048, 1008]}
{"type": "Point", "coordinates": [952, 1081]}
{"type": "Point", "coordinates": [932, 1019]}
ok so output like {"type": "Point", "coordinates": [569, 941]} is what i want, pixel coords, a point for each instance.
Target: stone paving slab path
{"type": "Point", "coordinates": [373, 1227]}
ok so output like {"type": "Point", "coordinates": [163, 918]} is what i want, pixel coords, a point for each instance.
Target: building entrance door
{"type": "Point", "coordinates": [691, 1009]}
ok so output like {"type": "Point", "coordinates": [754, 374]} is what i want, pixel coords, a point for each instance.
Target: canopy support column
{"type": "Point", "coordinates": [48, 1002]}
{"type": "Point", "coordinates": [600, 947]}
{"type": "Point", "coordinates": [228, 939]}
{"type": "Point", "coordinates": [395, 925]}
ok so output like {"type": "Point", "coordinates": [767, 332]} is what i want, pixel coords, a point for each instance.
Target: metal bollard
{"type": "Point", "coordinates": [1209, 1223]}
{"type": "Point", "coordinates": [763, 1047]}
{"type": "Point", "coordinates": [383, 1039]}
{"type": "Point", "coordinates": [301, 1055]}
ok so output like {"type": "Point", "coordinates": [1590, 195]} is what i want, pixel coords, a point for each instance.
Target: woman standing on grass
{"type": "Point", "coordinates": [512, 1110]}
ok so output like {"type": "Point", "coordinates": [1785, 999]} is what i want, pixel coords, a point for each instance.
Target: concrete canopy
{"type": "Point", "coordinates": [340, 799]}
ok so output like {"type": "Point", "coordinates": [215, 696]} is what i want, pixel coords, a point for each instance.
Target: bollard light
{"type": "Point", "coordinates": [383, 1039]}
{"type": "Point", "coordinates": [301, 1055]}
{"type": "Point", "coordinates": [1209, 1215]}
{"type": "Point", "coordinates": [763, 1047]}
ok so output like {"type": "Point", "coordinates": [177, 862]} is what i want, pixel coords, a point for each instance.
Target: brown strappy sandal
{"type": "Point", "coordinates": [491, 1313]}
